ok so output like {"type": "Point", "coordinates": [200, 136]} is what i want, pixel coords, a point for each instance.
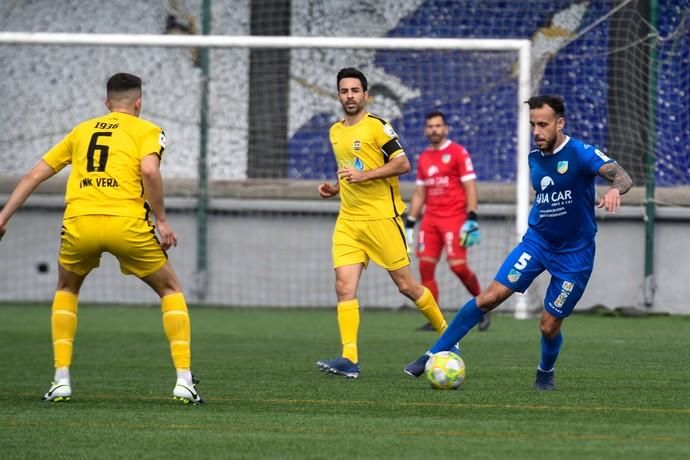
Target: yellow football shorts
{"type": "Point", "coordinates": [131, 240]}
{"type": "Point", "coordinates": [381, 240]}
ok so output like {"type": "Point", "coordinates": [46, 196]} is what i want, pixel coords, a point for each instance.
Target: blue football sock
{"type": "Point", "coordinates": [549, 351]}
{"type": "Point", "coordinates": [464, 320]}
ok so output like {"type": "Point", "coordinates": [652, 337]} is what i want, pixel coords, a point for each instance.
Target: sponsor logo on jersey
{"type": "Point", "coordinates": [601, 155]}
{"type": "Point", "coordinates": [562, 167]}
{"type": "Point", "coordinates": [431, 171]}
{"type": "Point", "coordinates": [358, 164]}
{"type": "Point", "coordinates": [546, 181]}
{"type": "Point", "coordinates": [388, 129]}
{"type": "Point", "coordinates": [357, 145]}
{"type": "Point", "coordinates": [563, 196]}
{"type": "Point", "coordinates": [445, 158]}
{"type": "Point", "coordinates": [162, 140]}
{"type": "Point", "coordinates": [568, 286]}
{"type": "Point", "coordinates": [468, 164]}
{"type": "Point", "coordinates": [514, 275]}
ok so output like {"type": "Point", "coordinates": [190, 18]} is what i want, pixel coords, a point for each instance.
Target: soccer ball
{"type": "Point", "coordinates": [445, 370]}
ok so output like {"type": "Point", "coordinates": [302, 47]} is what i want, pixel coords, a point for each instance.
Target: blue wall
{"type": "Point", "coordinates": [480, 102]}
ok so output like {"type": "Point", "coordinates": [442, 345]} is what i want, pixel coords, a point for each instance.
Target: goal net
{"type": "Point", "coordinates": [247, 118]}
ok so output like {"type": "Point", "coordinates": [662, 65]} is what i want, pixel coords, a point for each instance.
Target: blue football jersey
{"type": "Point", "coordinates": [562, 215]}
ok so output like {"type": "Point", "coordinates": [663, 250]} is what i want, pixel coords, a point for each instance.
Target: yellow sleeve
{"type": "Point", "coordinates": [60, 155]}
{"type": "Point", "coordinates": [153, 142]}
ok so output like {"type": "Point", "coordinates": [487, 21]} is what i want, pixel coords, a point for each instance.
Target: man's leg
{"type": "Point", "coordinates": [427, 272]}
{"type": "Point", "coordinates": [422, 297]}
{"type": "Point", "coordinates": [564, 291]}
{"type": "Point", "coordinates": [468, 316]}
{"type": "Point", "coordinates": [346, 283]}
{"type": "Point", "coordinates": [551, 341]}
{"type": "Point", "coordinates": [63, 325]}
{"type": "Point", "coordinates": [177, 327]}
{"type": "Point", "coordinates": [469, 279]}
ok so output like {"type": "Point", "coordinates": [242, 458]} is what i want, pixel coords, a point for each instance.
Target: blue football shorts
{"type": "Point", "coordinates": [570, 272]}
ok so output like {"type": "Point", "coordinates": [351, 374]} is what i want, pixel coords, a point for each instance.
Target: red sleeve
{"type": "Point", "coordinates": [465, 166]}
{"type": "Point", "coordinates": [420, 167]}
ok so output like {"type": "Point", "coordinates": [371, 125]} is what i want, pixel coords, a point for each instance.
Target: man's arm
{"type": "Point", "coordinates": [153, 193]}
{"type": "Point", "coordinates": [417, 202]}
{"type": "Point", "coordinates": [26, 186]}
{"type": "Point", "coordinates": [471, 195]}
{"type": "Point", "coordinates": [395, 167]}
{"type": "Point", "coordinates": [418, 197]}
{"type": "Point", "coordinates": [620, 184]}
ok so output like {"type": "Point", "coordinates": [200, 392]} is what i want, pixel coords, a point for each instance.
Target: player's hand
{"type": "Point", "coordinates": [352, 175]}
{"type": "Point", "coordinates": [168, 237]}
{"type": "Point", "coordinates": [469, 233]}
{"type": "Point", "coordinates": [611, 200]}
{"type": "Point", "coordinates": [327, 190]}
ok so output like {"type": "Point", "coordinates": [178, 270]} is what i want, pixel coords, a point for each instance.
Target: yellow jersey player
{"type": "Point", "coordinates": [114, 186]}
{"type": "Point", "coordinates": [369, 226]}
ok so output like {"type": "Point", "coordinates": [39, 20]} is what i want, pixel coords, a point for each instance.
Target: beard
{"type": "Point", "coordinates": [549, 144]}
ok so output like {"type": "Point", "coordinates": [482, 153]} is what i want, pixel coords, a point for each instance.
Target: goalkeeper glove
{"type": "Point", "coordinates": [469, 233]}
{"type": "Point", "coordinates": [409, 233]}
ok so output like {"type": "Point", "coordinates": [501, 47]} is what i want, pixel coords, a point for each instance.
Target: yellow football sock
{"type": "Point", "coordinates": [63, 325]}
{"type": "Point", "coordinates": [348, 323]}
{"type": "Point", "coordinates": [429, 308]}
{"type": "Point", "coordinates": [177, 329]}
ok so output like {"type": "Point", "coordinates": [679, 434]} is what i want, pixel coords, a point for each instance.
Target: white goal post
{"type": "Point", "coordinates": [521, 46]}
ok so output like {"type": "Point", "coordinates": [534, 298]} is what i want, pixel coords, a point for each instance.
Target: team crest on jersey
{"type": "Point", "coordinates": [445, 158]}
{"type": "Point", "coordinates": [161, 139]}
{"type": "Point", "coordinates": [562, 167]}
{"type": "Point", "coordinates": [357, 145]}
{"type": "Point", "coordinates": [514, 275]}
{"type": "Point", "coordinates": [546, 181]}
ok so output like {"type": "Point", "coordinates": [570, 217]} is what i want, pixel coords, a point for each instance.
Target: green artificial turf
{"type": "Point", "coordinates": [623, 389]}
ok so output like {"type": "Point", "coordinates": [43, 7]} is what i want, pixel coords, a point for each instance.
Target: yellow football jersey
{"type": "Point", "coordinates": [105, 154]}
{"type": "Point", "coordinates": [369, 144]}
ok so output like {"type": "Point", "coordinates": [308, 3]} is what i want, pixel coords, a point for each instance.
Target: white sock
{"type": "Point", "coordinates": [184, 374]}
{"type": "Point", "coordinates": [61, 373]}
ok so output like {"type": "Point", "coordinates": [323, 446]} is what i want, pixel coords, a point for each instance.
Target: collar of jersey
{"type": "Point", "coordinates": [443, 147]}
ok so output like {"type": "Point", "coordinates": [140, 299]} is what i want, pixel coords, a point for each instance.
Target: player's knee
{"type": "Point", "coordinates": [493, 296]}
{"type": "Point", "coordinates": [549, 327]}
{"type": "Point", "coordinates": [411, 289]}
{"type": "Point", "coordinates": [461, 269]}
{"type": "Point", "coordinates": [345, 290]}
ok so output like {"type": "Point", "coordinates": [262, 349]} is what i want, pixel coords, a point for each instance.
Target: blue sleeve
{"type": "Point", "coordinates": [593, 159]}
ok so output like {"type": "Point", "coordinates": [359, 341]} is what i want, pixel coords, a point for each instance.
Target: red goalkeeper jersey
{"type": "Point", "coordinates": [442, 173]}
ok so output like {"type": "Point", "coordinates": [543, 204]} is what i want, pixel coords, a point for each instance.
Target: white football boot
{"type": "Point", "coordinates": [60, 391]}
{"type": "Point", "coordinates": [186, 392]}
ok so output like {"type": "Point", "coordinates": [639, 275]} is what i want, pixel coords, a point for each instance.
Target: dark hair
{"type": "Point", "coordinates": [555, 102]}
{"type": "Point", "coordinates": [434, 114]}
{"type": "Point", "coordinates": [122, 82]}
{"type": "Point", "coordinates": [351, 72]}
